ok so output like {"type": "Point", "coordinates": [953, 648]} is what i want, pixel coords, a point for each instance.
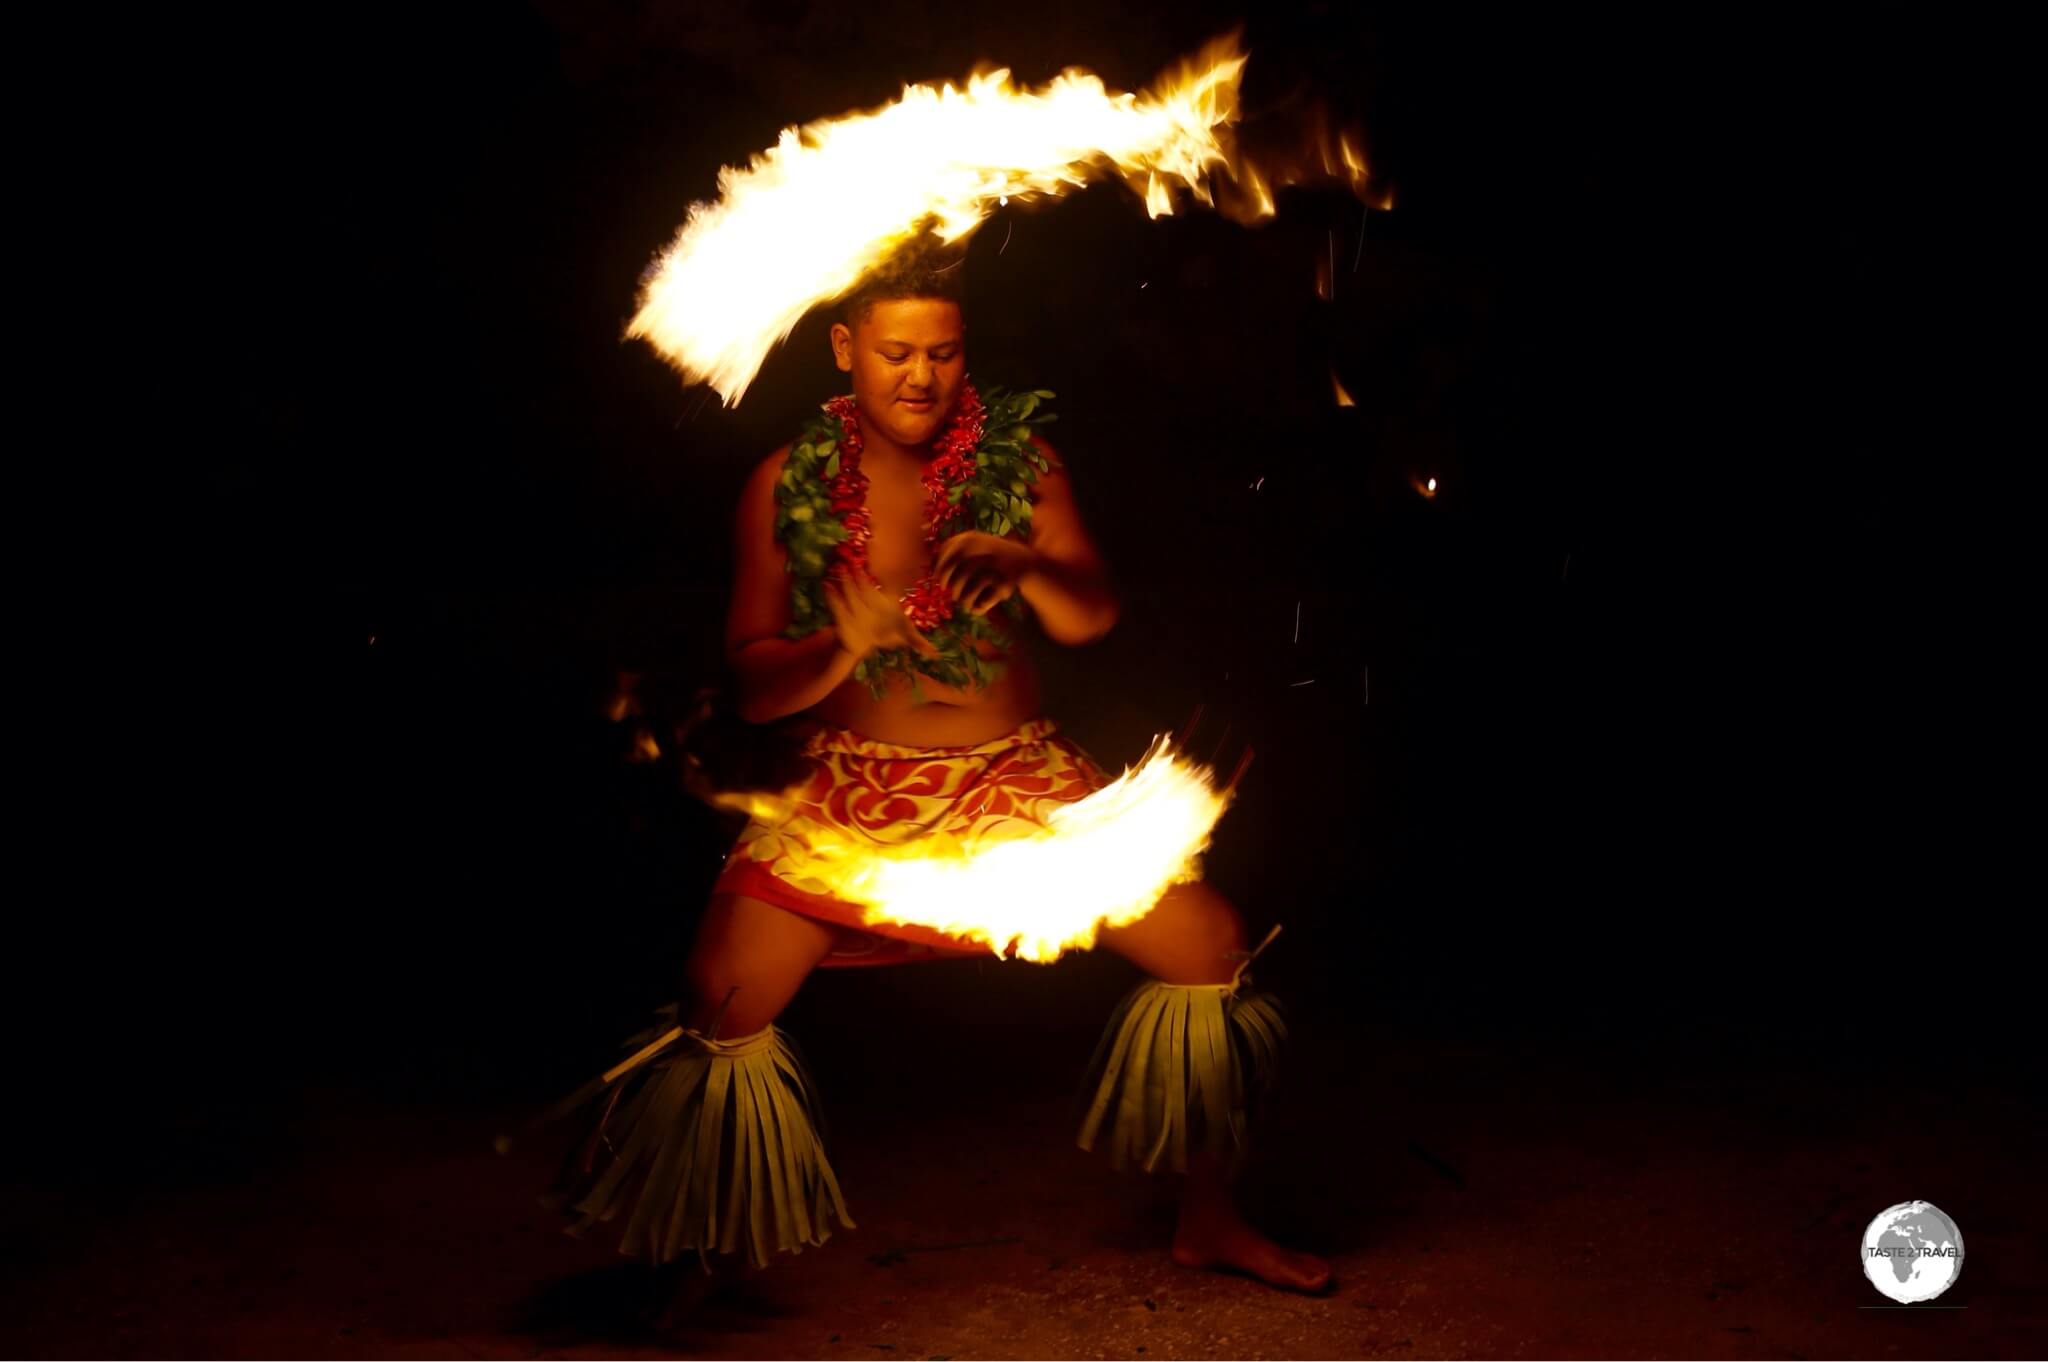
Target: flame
{"type": "Point", "coordinates": [1103, 861]}
{"type": "Point", "coordinates": [1344, 398]}
{"type": "Point", "coordinates": [1262, 197]}
{"type": "Point", "coordinates": [759, 804]}
{"type": "Point", "coordinates": [830, 201]}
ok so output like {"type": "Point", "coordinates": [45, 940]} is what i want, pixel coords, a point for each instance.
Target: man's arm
{"type": "Point", "coordinates": [777, 676]}
{"type": "Point", "coordinates": [1068, 584]}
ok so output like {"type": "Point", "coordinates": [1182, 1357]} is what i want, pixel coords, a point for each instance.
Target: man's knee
{"type": "Point", "coordinates": [710, 989]}
{"type": "Point", "coordinates": [1213, 921]}
{"type": "Point", "coordinates": [1188, 938]}
{"type": "Point", "coordinates": [748, 962]}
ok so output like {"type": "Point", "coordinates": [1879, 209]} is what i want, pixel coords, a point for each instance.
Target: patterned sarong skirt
{"type": "Point", "coordinates": [888, 794]}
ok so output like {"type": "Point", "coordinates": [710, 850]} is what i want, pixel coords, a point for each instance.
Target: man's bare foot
{"type": "Point", "coordinates": [1223, 1240]}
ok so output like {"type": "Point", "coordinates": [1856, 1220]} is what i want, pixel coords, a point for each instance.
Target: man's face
{"type": "Point", "coordinates": [908, 358]}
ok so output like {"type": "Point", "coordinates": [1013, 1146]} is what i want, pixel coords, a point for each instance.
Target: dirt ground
{"type": "Point", "coordinates": [1475, 1200]}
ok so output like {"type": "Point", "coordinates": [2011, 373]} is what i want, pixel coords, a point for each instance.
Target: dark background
{"type": "Point", "coordinates": [1647, 735]}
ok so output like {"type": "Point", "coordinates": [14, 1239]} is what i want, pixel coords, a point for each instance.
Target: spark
{"type": "Point", "coordinates": [1296, 685]}
{"type": "Point", "coordinates": [1297, 621]}
{"type": "Point", "coordinates": [1006, 234]}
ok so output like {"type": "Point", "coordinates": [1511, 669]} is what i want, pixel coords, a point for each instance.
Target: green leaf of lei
{"type": "Point", "coordinates": [1003, 458]}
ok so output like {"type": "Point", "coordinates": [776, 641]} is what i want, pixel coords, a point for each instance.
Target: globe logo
{"type": "Point", "coordinates": [1912, 1252]}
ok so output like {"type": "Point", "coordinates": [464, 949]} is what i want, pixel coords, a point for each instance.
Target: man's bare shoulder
{"type": "Point", "coordinates": [1054, 485]}
{"type": "Point", "coordinates": [768, 470]}
{"type": "Point", "coordinates": [759, 491]}
{"type": "Point", "coordinates": [1044, 447]}
{"type": "Point", "coordinates": [754, 520]}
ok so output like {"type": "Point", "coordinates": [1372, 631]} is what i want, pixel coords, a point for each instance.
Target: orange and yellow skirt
{"type": "Point", "coordinates": [888, 794]}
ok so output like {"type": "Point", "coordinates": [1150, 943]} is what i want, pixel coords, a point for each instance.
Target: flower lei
{"type": "Point", "coordinates": [984, 466]}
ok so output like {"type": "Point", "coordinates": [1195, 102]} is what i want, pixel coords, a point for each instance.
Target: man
{"type": "Point", "coordinates": [889, 762]}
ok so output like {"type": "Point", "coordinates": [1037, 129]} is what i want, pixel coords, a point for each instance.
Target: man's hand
{"type": "Point", "coordinates": [982, 570]}
{"type": "Point", "coordinates": [869, 620]}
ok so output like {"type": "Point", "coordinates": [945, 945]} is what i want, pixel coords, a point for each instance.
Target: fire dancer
{"type": "Point", "coordinates": [885, 630]}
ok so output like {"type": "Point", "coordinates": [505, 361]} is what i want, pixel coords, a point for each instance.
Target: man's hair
{"type": "Point", "coordinates": [923, 268]}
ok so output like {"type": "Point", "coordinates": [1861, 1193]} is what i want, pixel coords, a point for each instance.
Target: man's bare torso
{"type": "Point", "coordinates": [947, 716]}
